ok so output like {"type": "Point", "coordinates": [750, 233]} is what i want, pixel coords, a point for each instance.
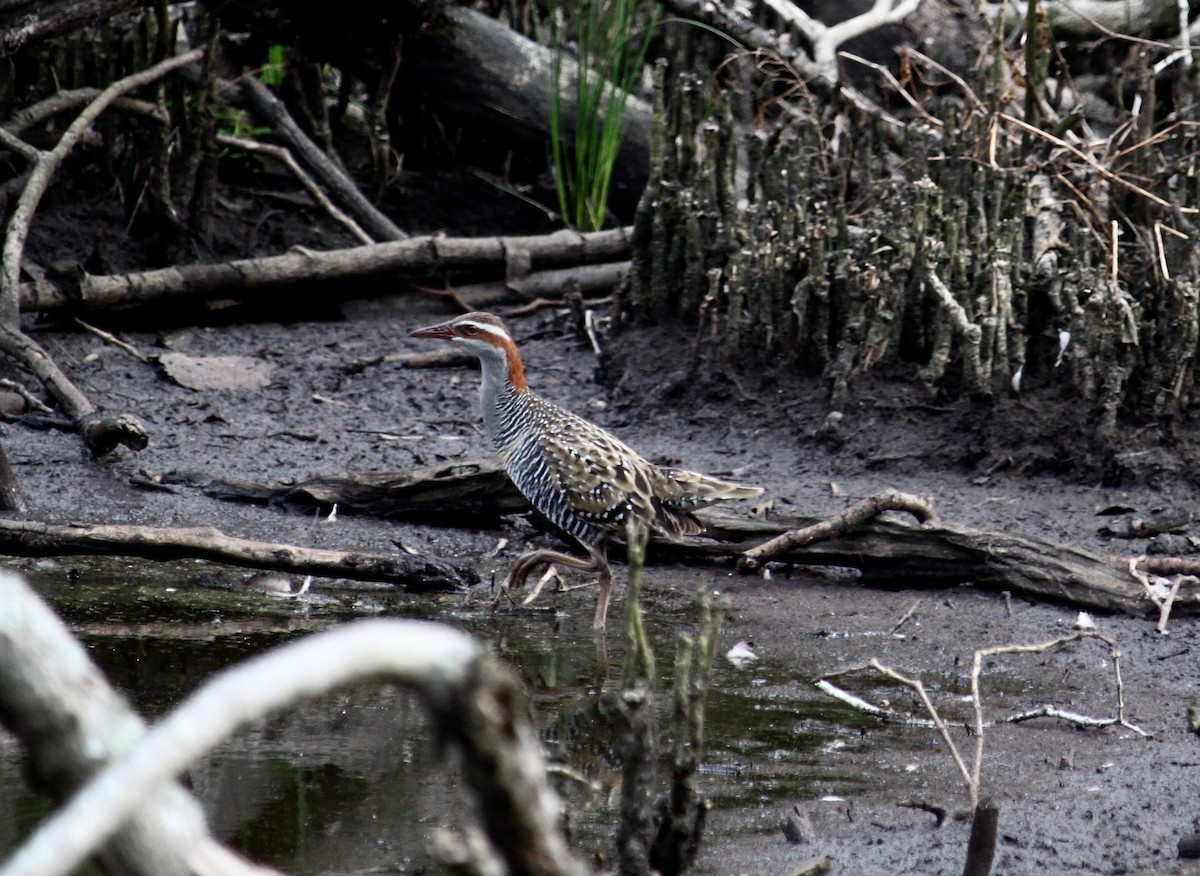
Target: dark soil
{"type": "Point", "coordinates": [333, 406]}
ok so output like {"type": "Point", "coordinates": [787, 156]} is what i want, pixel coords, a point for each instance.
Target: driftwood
{"type": "Point", "coordinates": [511, 256]}
{"type": "Point", "coordinates": [101, 433]}
{"type": "Point", "coordinates": [27, 538]}
{"type": "Point", "coordinates": [946, 554]}
{"type": "Point", "coordinates": [831, 527]}
{"type": "Point", "coordinates": [466, 491]}
{"type": "Point", "coordinates": [885, 551]}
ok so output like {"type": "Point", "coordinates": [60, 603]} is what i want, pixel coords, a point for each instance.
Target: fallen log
{"type": "Point", "coordinates": [887, 552]}
{"type": "Point", "coordinates": [457, 493]}
{"type": "Point", "coordinates": [945, 554]}
{"type": "Point", "coordinates": [30, 538]}
{"type": "Point", "coordinates": [512, 257]}
{"type": "Point", "coordinates": [24, 24]}
{"type": "Point", "coordinates": [470, 65]}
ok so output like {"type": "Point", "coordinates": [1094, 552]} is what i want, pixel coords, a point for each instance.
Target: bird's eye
{"type": "Point", "coordinates": [470, 330]}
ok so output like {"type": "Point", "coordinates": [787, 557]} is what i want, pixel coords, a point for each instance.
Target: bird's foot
{"type": "Point", "coordinates": [502, 593]}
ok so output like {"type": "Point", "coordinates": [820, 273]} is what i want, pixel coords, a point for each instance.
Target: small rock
{"type": "Point", "coordinates": [797, 827]}
{"type": "Point", "coordinates": [813, 867]}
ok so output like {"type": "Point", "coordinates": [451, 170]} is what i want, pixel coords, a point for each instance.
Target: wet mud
{"type": "Point", "coordinates": [1071, 800]}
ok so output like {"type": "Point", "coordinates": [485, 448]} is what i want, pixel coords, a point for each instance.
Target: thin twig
{"type": "Point", "coordinates": [30, 399]}
{"type": "Point", "coordinates": [832, 527]}
{"type": "Point", "coordinates": [285, 156]}
{"type": "Point", "coordinates": [1095, 164]}
{"type": "Point", "coordinates": [985, 653]}
{"type": "Point", "coordinates": [950, 74]}
{"type": "Point", "coordinates": [114, 340]}
{"type": "Point", "coordinates": [904, 618]}
{"type": "Point", "coordinates": [896, 86]}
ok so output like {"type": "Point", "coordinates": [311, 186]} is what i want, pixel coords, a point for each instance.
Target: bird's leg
{"type": "Point", "coordinates": [599, 559]}
{"type": "Point", "coordinates": [595, 562]}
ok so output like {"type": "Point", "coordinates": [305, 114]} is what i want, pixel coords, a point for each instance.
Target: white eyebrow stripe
{"type": "Point", "coordinates": [494, 330]}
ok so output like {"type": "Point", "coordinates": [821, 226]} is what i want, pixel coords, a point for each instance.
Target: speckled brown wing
{"type": "Point", "coordinates": [589, 483]}
{"type": "Point", "coordinates": [599, 478]}
{"type": "Point", "coordinates": [604, 482]}
{"type": "Point", "coordinates": [680, 488]}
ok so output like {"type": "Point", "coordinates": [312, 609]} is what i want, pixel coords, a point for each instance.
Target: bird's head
{"type": "Point", "coordinates": [484, 335]}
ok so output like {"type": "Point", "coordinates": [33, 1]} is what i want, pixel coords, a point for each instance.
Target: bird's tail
{"type": "Point", "coordinates": [689, 489]}
{"type": "Point", "coordinates": [678, 492]}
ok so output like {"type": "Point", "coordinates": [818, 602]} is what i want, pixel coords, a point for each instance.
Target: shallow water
{"type": "Point", "coordinates": [353, 783]}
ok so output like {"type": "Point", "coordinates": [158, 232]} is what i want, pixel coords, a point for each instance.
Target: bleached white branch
{"type": "Point", "coordinates": [71, 722]}
{"type": "Point", "coordinates": [445, 666]}
{"type": "Point", "coordinates": [971, 776]}
{"type": "Point", "coordinates": [1049, 711]}
{"type": "Point", "coordinates": [825, 39]}
{"type": "Point", "coordinates": [882, 13]}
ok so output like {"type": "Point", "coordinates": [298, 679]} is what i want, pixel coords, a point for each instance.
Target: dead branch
{"type": "Point", "coordinates": [247, 92]}
{"type": "Point", "coordinates": [284, 157]}
{"type": "Point", "coordinates": [73, 98]}
{"type": "Point", "coordinates": [1162, 565]}
{"type": "Point", "coordinates": [70, 721]}
{"type": "Point", "coordinates": [1094, 164]}
{"type": "Point", "coordinates": [47, 164]}
{"type": "Point", "coordinates": [971, 776]}
{"type": "Point", "coordinates": [29, 538]}
{"type": "Point", "coordinates": [101, 434]}
{"type": "Point", "coordinates": [110, 338]}
{"type": "Point", "coordinates": [415, 256]}
{"type": "Point", "coordinates": [476, 702]}
{"type": "Point", "coordinates": [1082, 720]}
{"type": "Point", "coordinates": [465, 491]}
{"type": "Point", "coordinates": [1160, 591]}
{"type": "Point", "coordinates": [28, 23]}
{"type": "Point", "coordinates": [825, 38]}
{"type": "Point", "coordinates": [1090, 19]}
{"type": "Point", "coordinates": [759, 39]}
{"type": "Point", "coordinates": [839, 524]}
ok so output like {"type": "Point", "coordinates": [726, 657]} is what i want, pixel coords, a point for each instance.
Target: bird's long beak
{"type": "Point", "coordinates": [441, 331]}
